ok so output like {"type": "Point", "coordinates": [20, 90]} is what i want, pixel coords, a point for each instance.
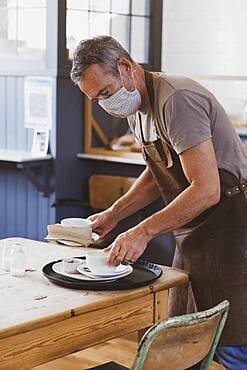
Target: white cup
{"type": "Point", "coordinates": [96, 262]}
{"type": "Point", "coordinates": [70, 265]}
{"type": "Point", "coordinates": [76, 222]}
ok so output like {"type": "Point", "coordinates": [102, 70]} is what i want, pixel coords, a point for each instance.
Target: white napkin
{"type": "Point", "coordinates": [82, 236]}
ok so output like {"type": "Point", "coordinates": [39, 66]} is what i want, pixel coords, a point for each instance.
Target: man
{"type": "Point", "coordinates": [196, 161]}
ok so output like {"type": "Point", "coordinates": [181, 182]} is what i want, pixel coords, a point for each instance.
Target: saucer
{"type": "Point", "coordinates": [118, 271]}
{"type": "Point", "coordinates": [71, 243]}
{"type": "Point", "coordinates": [83, 269]}
{"type": "Point", "coordinates": [58, 268]}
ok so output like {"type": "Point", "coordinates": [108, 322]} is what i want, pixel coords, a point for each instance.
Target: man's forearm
{"type": "Point", "coordinates": [143, 192]}
{"type": "Point", "coordinates": [183, 209]}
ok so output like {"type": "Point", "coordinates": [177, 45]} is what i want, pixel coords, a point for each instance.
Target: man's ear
{"type": "Point", "coordinates": [125, 65]}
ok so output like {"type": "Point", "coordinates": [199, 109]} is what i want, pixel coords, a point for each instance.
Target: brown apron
{"type": "Point", "coordinates": [214, 245]}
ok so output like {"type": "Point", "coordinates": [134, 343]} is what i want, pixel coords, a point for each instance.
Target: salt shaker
{"type": "Point", "coordinates": [17, 261]}
{"type": "Point", "coordinates": [8, 245]}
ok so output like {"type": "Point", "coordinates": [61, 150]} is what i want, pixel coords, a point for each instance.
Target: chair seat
{"type": "Point", "coordinates": [114, 366]}
{"type": "Point", "coordinates": [109, 366]}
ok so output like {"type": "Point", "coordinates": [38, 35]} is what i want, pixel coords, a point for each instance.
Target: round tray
{"type": "Point", "coordinates": [143, 274]}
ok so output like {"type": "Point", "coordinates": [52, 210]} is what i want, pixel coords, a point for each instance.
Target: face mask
{"type": "Point", "coordinates": [122, 103]}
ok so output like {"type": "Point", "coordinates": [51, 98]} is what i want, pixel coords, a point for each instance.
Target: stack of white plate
{"type": "Point", "coordinates": [85, 274]}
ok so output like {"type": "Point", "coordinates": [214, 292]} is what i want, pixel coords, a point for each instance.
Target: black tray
{"type": "Point", "coordinates": [143, 274]}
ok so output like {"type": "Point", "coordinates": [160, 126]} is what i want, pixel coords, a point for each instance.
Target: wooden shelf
{"type": "Point", "coordinates": [19, 156]}
{"type": "Point", "coordinates": [138, 160]}
{"type": "Point", "coordinates": [36, 169]}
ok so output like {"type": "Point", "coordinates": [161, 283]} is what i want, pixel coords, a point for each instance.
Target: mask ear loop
{"type": "Point", "coordinates": [132, 75]}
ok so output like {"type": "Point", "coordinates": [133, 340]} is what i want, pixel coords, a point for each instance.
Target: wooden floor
{"type": "Point", "coordinates": [121, 350]}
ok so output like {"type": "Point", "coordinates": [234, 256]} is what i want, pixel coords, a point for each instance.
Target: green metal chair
{"type": "Point", "coordinates": [179, 343]}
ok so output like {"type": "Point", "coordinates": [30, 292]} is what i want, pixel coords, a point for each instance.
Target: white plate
{"type": "Point", "coordinates": [58, 268]}
{"type": "Point", "coordinates": [119, 270]}
{"type": "Point", "coordinates": [84, 270]}
{"type": "Point", "coordinates": [71, 243]}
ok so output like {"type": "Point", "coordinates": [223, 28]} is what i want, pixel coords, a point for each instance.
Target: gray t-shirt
{"type": "Point", "coordinates": [189, 114]}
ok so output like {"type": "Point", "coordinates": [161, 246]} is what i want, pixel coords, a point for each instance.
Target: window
{"type": "Point", "coordinates": [128, 21]}
{"type": "Point", "coordinates": [22, 29]}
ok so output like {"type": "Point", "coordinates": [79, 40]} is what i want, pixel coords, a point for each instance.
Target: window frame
{"type": "Point", "coordinates": [155, 37]}
{"type": "Point", "coordinates": [46, 66]}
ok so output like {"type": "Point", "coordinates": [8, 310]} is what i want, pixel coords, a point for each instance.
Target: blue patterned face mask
{"type": "Point", "coordinates": [122, 103]}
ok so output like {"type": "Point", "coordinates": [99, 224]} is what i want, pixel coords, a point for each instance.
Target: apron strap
{"type": "Point", "coordinates": [149, 85]}
{"type": "Point", "coordinates": [140, 124]}
{"type": "Point", "coordinates": [236, 189]}
{"type": "Point", "coordinates": [150, 90]}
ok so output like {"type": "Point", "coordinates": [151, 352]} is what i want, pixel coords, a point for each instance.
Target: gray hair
{"type": "Point", "coordinates": [103, 50]}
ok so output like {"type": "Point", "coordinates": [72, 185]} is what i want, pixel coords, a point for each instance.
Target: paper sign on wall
{"type": "Point", "coordinates": [38, 102]}
{"type": "Point", "coordinates": [40, 143]}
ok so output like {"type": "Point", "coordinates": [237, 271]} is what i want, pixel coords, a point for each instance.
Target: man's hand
{"type": "Point", "coordinates": [103, 222]}
{"type": "Point", "coordinates": [127, 247]}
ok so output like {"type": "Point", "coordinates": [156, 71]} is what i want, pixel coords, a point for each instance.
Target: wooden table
{"type": "Point", "coordinates": [40, 321]}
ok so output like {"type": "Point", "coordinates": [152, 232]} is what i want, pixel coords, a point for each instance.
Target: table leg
{"type": "Point", "coordinates": [160, 306]}
{"type": "Point", "coordinates": [160, 310]}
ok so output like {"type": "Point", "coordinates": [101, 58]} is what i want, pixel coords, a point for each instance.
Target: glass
{"type": "Point", "coordinates": [119, 25]}
{"type": "Point", "coordinates": [17, 261]}
{"type": "Point", "coordinates": [76, 28]}
{"type": "Point", "coordinates": [100, 5]}
{"type": "Point", "coordinates": [7, 248]}
{"type": "Point", "coordinates": [120, 6]}
{"type": "Point", "coordinates": [140, 7]}
{"type": "Point", "coordinates": [99, 24]}
{"type": "Point", "coordinates": [78, 4]}
{"type": "Point", "coordinates": [139, 39]}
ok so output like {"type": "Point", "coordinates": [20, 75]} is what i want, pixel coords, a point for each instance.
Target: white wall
{"type": "Point", "coordinates": [205, 37]}
{"type": "Point", "coordinates": [209, 38]}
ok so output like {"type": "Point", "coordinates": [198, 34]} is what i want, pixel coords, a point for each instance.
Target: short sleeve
{"type": "Point", "coordinates": [187, 120]}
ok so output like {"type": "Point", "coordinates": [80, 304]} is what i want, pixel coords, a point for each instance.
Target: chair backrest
{"type": "Point", "coordinates": [104, 190]}
{"type": "Point", "coordinates": [182, 341]}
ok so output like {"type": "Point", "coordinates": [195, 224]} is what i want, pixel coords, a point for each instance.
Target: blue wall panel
{"type": "Point", "coordinates": [23, 211]}
{"type": "Point", "coordinates": [10, 212]}
{"type": "Point", "coordinates": [2, 145]}
{"type": "Point", "coordinates": [32, 212]}
{"type": "Point", "coordinates": [2, 201]}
